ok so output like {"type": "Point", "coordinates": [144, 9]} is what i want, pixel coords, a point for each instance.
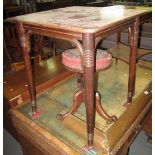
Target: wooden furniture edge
{"type": "Point", "coordinates": [107, 142]}
{"type": "Point", "coordinates": [133, 114]}
{"type": "Point", "coordinates": [41, 136]}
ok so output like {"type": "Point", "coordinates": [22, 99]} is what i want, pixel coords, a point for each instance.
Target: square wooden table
{"type": "Point", "coordinates": [85, 27]}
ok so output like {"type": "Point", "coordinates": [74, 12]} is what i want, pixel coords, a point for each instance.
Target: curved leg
{"type": "Point", "coordinates": [102, 112]}
{"type": "Point", "coordinates": [77, 100]}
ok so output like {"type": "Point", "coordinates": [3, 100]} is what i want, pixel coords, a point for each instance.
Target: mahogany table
{"type": "Point", "coordinates": [85, 27]}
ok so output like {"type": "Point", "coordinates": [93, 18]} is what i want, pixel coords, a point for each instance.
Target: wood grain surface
{"type": "Point", "coordinates": [82, 19]}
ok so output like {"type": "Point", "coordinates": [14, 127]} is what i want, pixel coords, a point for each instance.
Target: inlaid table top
{"type": "Point", "coordinates": [82, 19]}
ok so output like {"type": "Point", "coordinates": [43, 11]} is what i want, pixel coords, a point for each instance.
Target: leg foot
{"type": "Point", "coordinates": [36, 114]}
{"type": "Point", "coordinates": [102, 112]}
{"type": "Point", "coordinates": [126, 104]}
{"type": "Point", "coordinates": [77, 100]}
{"type": "Point", "coordinates": [90, 149]}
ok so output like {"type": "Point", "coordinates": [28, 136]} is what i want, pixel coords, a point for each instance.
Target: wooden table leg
{"type": "Point", "coordinates": [118, 39]}
{"type": "Point", "coordinates": [88, 42]}
{"type": "Point", "coordinates": [129, 35]}
{"type": "Point", "coordinates": [133, 54]}
{"type": "Point", "coordinates": [6, 50]}
{"type": "Point", "coordinates": [25, 44]}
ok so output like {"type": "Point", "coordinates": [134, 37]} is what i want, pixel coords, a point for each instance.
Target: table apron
{"type": "Point", "coordinates": [56, 33]}
{"type": "Point", "coordinates": [113, 29]}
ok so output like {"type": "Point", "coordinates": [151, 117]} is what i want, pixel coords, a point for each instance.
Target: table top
{"type": "Point", "coordinates": [82, 19]}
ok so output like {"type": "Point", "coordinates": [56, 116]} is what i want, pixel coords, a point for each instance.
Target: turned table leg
{"type": "Point", "coordinates": [25, 44]}
{"type": "Point", "coordinates": [88, 42]}
{"type": "Point", "coordinates": [132, 66]}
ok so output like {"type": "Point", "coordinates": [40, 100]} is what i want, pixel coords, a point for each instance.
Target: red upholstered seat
{"type": "Point", "coordinates": [71, 59]}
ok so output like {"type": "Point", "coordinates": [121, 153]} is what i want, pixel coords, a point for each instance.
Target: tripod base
{"type": "Point", "coordinates": [79, 98]}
